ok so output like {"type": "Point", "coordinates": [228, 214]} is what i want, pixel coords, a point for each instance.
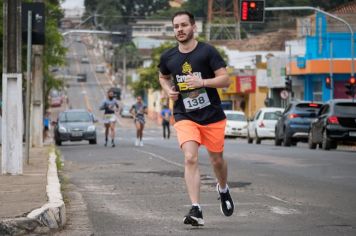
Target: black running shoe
{"type": "Point", "coordinates": [112, 144]}
{"type": "Point", "coordinates": [227, 204]}
{"type": "Point", "coordinates": [194, 217]}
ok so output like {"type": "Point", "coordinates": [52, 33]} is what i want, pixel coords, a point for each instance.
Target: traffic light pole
{"type": "Point", "coordinates": [328, 14]}
{"type": "Point", "coordinates": [331, 71]}
{"type": "Point", "coordinates": [28, 88]}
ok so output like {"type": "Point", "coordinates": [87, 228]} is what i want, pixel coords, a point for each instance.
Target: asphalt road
{"type": "Point", "coordinates": [130, 190]}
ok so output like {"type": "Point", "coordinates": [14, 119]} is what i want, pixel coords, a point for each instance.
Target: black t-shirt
{"type": "Point", "coordinates": [202, 62]}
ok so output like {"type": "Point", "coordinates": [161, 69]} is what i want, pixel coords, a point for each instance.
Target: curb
{"type": "Point", "coordinates": [51, 216]}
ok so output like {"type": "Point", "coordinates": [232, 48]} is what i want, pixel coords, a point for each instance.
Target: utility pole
{"type": "Point", "coordinates": [28, 87]}
{"type": "Point", "coordinates": [37, 103]}
{"type": "Point", "coordinates": [124, 73]}
{"type": "Point", "coordinates": [12, 120]}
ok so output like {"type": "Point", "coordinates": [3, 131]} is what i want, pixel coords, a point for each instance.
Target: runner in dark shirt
{"type": "Point", "coordinates": [197, 70]}
{"type": "Point", "coordinates": [110, 106]}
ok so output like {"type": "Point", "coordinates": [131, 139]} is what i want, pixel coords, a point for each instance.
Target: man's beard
{"type": "Point", "coordinates": [190, 35]}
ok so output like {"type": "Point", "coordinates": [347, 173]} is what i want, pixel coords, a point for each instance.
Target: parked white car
{"type": "Point", "coordinates": [236, 125]}
{"type": "Point", "coordinates": [262, 125]}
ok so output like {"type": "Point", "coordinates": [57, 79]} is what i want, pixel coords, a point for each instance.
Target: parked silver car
{"type": "Point", "coordinates": [75, 125]}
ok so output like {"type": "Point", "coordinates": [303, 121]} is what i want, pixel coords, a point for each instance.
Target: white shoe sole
{"type": "Point", "coordinates": [194, 221]}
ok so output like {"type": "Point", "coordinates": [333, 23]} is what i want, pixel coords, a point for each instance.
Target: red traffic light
{"type": "Point", "coordinates": [328, 82]}
{"type": "Point", "coordinates": [252, 11]}
{"type": "Point", "coordinates": [352, 80]}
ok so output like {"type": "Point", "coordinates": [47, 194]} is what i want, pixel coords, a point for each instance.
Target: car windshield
{"type": "Point", "coordinates": [308, 107]}
{"type": "Point", "coordinates": [345, 108]}
{"type": "Point", "coordinates": [271, 115]}
{"type": "Point", "coordinates": [235, 117]}
{"type": "Point", "coordinates": [75, 117]}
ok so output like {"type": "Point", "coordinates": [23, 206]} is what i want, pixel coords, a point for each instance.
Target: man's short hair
{"type": "Point", "coordinates": [190, 15]}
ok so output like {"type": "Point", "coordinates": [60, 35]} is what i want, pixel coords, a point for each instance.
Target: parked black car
{"type": "Point", "coordinates": [294, 123]}
{"type": "Point", "coordinates": [75, 125]}
{"type": "Point", "coordinates": [336, 122]}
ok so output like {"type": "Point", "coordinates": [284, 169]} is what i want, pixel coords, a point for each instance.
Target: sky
{"type": "Point", "coordinates": [72, 4]}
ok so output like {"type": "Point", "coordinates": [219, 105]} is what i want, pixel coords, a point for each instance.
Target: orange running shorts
{"type": "Point", "coordinates": [211, 135]}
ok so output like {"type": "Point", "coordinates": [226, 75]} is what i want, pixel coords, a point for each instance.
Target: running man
{"type": "Point", "coordinates": [110, 106]}
{"type": "Point", "coordinates": [197, 70]}
{"type": "Point", "coordinates": [138, 110]}
{"type": "Point", "coordinates": [166, 117]}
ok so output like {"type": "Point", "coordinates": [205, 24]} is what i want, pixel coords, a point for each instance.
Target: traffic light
{"type": "Point", "coordinates": [328, 82]}
{"type": "Point", "coordinates": [38, 21]}
{"type": "Point", "coordinates": [288, 83]}
{"type": "Point", "coordinates": [252, 11]}
{"type": "Point", "coordinates": [351, 87]}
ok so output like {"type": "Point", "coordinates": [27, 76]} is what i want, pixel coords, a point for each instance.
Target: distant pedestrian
{"type": "Point", "coordinates": [138, 111]}
{"type": "Point", "coordinates": [46, 125]}
{"type": "Point", "coordinates": [166, 118]}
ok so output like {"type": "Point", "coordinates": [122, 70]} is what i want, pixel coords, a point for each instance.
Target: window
{"type": "Point", "coordinates": [270, 116]}
{"type": "Point", "coordinates": [317, 92]}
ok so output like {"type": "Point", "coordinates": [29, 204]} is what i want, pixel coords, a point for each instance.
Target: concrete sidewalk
{"type": "Point", "coordinates": [32, 202]}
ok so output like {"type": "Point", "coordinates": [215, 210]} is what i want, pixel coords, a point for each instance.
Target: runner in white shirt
{"type": "Point", "coordinates": [110, 106]}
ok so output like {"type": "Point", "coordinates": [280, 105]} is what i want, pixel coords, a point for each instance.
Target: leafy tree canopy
{"type": "Point", "coordinates": [115, 12]}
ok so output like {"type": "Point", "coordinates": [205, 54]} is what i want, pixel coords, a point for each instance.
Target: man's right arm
{"type": "Point", "coordinates": [103, 106]}
{"type": "Point", "coordinates": [167, 86]}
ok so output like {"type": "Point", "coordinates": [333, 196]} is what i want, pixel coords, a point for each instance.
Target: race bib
{"type": "Point", "coordinates": [195, 100]}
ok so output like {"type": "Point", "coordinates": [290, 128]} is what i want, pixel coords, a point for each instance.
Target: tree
{"type": "Point", "coordinates": [199, 8]}
{"type": "Point", "coordinates": [149, 76]}
{"type": "Point", "coordinates": [54, 52]}
{"type": "Point", "coordinates": [130, 51]}
{"type": "Point", "coordinates": [111, 13]}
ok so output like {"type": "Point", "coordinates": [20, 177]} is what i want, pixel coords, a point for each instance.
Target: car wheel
{"type": "Point", "coordinates": [92, 141]}
{"type": "Point", "coordinates": [258, 140]}
{"type": "Point", "coordinates": [310, 141]}
{"type": "Point", "coordinates": [327, 143]}
{"type": "Point", "coordinates": [287, 141]}
{"type": "Point", "coordinates": [58, 142]}
{"type": "Point", "coordinates": [249, 139]}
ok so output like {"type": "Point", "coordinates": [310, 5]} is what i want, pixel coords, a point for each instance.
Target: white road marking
{"type": "Point", "coordinates": [161, 158]}
{"type": "Point", "coordinates": [278, 199]}
{"type": "Point", "coordinates": [283, 211]}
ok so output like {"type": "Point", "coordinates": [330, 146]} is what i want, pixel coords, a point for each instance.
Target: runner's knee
{"type": "Point", "coordinates": [217, 160]}
{"type": "Point", "coordinates": [190, 158]}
